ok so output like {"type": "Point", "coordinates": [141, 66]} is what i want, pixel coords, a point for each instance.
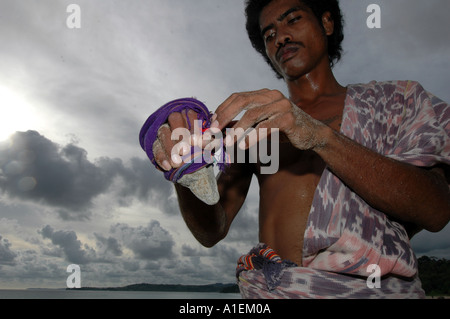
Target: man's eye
{"type": "Point", "coordinates": [270, 35]}
{"type": "Point", "coordinates": [295, 19]}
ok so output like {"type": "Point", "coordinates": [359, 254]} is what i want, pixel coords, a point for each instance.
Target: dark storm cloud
{"type": "Point", "coordinates": [7, 256]}
{"type": "Point", "coordinates": [109, 245]}
{"type": "Point", "coordinates": [34, 168]}
{"type": "Point", "coordinates": [143, 181]}
{"type": "Point", "coordinates": [74, 251]}
{"type": "Point", "coordinates": [151, 242]}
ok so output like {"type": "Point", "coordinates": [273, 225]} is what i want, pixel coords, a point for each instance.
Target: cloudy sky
{"type": "Point", "coordinates": [75, 187]}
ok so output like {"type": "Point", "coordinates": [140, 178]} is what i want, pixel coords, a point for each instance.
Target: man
{"type": "Point", "coordinates": [354, 174]}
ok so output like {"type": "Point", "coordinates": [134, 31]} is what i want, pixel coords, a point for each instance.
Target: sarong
{"type": "Point", "coordinates": [345, 235]}
{"type": "Point", "coordinates": [260, 277]}
{"type": "Point", "coordinates": [149, 133]}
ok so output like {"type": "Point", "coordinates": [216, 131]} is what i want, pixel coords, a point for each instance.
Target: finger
{"type": "Point", "coordinates": [256, 135]}
{"type": "Point", "coordinates": [277, 116]}
{"type": "Point", "coordinates": [237, 103]}
{"type": "Point", "coordinates": [281, 124]}
{"type": "Point", "coordinates": [186, 122]}
{"type": "Point", "coordinates": [176, 121]}
{"type": "Point", "coordinates": [192, 121]}
{"type": "Point", "coordinates": [210, 135]}
{"type": "Point", "coordinates": [180, 152]}
{"type": "Point", "coordinates": [168, 143]}
{"type": "Point", "coordinates": [160, 156]}
{"type": "Point", "coordinates": [195, 127]}
{"type": "Point", "coordinates": [256, 115]}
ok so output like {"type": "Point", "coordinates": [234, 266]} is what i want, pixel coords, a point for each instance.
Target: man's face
{"type": "Point", "coordinates": [295, 40]}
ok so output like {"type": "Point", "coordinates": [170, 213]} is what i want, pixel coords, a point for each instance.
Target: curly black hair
{"type": "Point", "coordinates": [318, 7]}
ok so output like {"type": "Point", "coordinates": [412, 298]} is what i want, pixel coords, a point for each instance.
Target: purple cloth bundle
{"type": "Point", "coordinates": [149, 134]}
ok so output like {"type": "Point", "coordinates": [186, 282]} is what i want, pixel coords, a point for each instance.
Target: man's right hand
{"type": "Point", "coordinates": [169, 148]}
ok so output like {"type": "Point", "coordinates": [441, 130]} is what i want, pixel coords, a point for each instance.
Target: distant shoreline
{"type": "Point", "coordinates": [218, 287]}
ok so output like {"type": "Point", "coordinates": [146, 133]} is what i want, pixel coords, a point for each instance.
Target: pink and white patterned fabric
{"type": "Point", "coordinates": [345, 235]}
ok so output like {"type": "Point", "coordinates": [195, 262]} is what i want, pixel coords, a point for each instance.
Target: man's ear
{"type": "Point", "coordinates": [328, 23]}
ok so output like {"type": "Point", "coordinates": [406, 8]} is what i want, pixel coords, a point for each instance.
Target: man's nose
{"type": "Point", "coordinates": [283, 38]}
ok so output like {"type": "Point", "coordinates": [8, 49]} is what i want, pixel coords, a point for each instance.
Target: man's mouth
{"type": "Point", "coordinates": [287, 52]}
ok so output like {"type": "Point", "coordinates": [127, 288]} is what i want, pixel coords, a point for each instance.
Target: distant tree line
{"type": "Point", "coordinates": [433, 272]}
{"type": "Point", "coordinates": [435, 275]}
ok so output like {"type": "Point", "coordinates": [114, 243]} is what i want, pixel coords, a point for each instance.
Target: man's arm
{"type": "Point", "coordinates": [404, 192]}
{"type": "Point", "coordinates": [210, 224]}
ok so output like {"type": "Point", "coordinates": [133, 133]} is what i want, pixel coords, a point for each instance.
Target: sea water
{"type": "Point", "coordinates": [103, 294]}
